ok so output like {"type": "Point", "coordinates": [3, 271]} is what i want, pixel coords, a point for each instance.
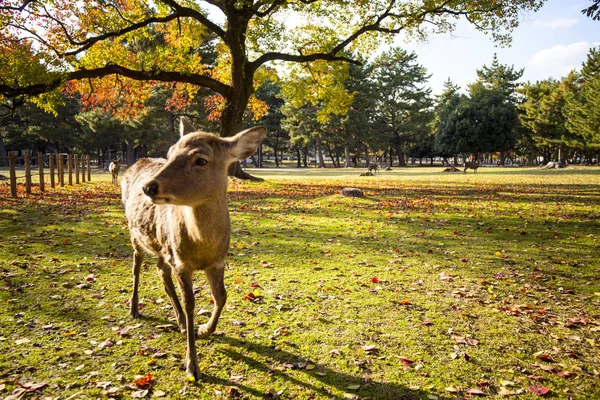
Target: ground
{"type": "Point", "coordinates": [432, 286]}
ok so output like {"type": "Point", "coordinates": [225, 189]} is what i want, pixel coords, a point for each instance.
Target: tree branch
{"type": "Point", "coordinates": [198, 16]}
{"type": "Point", "coordinates": [110, 69]}
{"type": "Point", "coordinates": [376, 26]}
{"type": "Point", "coordinates": [86, 44]}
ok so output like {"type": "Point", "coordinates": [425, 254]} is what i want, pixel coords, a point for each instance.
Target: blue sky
{"type": "Point", "coordinates": [548, 43]}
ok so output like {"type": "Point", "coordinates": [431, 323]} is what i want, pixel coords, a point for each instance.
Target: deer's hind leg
{"type": "Point", "coordinates": [214, 276]}
{"type": "Point", "coordinates": [164, 272]}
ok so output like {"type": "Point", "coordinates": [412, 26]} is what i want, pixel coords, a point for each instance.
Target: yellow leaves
{"type": "Point", "coordinates": [320, 83]}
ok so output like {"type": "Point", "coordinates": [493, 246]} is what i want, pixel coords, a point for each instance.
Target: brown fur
{"type": "Point", "coordinates": [471, 164]}
{"type": "Point", "coordinates": [114, 170]}
{"type": "Point", "coordinates": [177, 210]}
{"type": "Point", "coordinates": [373, 168]}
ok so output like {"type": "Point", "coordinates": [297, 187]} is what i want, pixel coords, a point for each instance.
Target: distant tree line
{"type": "Point", "coordinates": [348, 115]}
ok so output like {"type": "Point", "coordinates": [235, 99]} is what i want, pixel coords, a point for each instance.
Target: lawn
{"type": "Point", "coordinates": [433, 286]}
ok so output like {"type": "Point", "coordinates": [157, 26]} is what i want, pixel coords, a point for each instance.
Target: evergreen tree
{"type": "Point", "coordinates": [403, 102]}
{"type": "Point", "coordinates": [582, 109]}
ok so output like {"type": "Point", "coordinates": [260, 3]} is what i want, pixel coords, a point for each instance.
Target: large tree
{"type": "Point", "coordinates": [582, 109]}
{"type": "Point", "coordinates": [121, 49]}
{"type": "Point", "coordinates": [481, 123]}
{"type": "Point", "coordinates": [404, 102]}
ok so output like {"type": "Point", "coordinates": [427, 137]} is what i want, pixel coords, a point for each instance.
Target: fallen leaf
{"type": "Point", "coordinates": [140, 394]}
{"type": "Point", "coordinates": [145, 380]}
{"type": "Point", "coordinates": [369, 348]}
{"type": "Point", "coordinates": [539, 390]}
{"type": "Point", "coordinates": [505, 392]}
{"type": "Point", "coordinates": [475, 392]}
{"type": "Point", "coordinates": [453, 389]}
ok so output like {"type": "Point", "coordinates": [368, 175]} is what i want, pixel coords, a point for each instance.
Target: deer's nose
{"type": "Point", "coordinates": [150, 189]}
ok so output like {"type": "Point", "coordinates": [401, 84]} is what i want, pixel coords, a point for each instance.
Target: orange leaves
{"type": "Point", "coordinates": [144, 381]}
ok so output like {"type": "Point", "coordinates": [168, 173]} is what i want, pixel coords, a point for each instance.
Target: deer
{"type": "Point", "coordinates": [113, 168]}
{"type": "Point", "coordinates": [177, 211]}
{"type": "Point", "coordinates": [373, 168]}
{"type": "Point", "coordinates": [471, 164]}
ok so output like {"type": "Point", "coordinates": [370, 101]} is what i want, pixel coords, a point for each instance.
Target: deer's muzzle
{"type": "Point", "coordinates": [150, 189]}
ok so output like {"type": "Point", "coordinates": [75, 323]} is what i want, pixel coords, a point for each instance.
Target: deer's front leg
{"type": "Point", "coordinates": [214, 275]}
{"type": "Point", "coordinates": [138, 257]}
{"type": "Point", "coordinates": [184, 279]}
{"type": "Point", "coordinates": [164, 272]}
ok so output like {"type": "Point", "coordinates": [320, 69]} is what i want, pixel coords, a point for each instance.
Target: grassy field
{"type": "Point", "coordinates": [433, 286]}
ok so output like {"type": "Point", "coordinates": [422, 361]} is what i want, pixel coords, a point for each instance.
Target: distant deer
{"type": "Point", "coordinates": [177, 210]}
{"type": "Point", "coordinates": [113, 168]}
{"type": "Point", "coordinates": [373, 167]}
{"type": "Point", "coordinates": [471, 164]}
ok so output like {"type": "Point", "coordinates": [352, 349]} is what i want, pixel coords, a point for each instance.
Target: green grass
{"type": "Point", "coordinates": [487, 281]}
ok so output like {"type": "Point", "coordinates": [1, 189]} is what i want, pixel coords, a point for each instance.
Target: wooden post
{"type": "Point", "coordinates": [41, 170]}
{"type": "Point", "coordinates": [13, 174]}
{"type": "Point", "coordinates": [89, 167]}
{"type": "Point", "coordinates": [82, 168]}
{"type": "Point", "coordinates": [76, 162]}
{"type": "Point", "coordinates": [27, 172]}
{"type": "Point", "coordinates": [51, 155]}
{"type": "Point", "coordinates": [70, 168]}
{"type": "Point", "coordinates": [61, 169]}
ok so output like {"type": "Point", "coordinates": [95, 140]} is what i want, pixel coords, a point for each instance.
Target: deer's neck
{"type": "Point", "coordinates": [206, 223]}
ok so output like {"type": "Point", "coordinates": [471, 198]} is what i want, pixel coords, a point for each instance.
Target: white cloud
{"type": "Point", "coordinates": [558, 23]}
{"type": "Point", "coordinates": [559, 60]}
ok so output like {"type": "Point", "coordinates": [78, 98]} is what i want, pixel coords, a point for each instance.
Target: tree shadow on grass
{"type": "Point", "coordinates": [318, 382]}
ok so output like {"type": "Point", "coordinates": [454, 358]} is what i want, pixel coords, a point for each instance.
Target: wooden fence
{"type": "Point", "coordinates": [76, 166]}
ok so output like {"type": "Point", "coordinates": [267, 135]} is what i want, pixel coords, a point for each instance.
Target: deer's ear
{"type": "Point", "coordinates": [245, 143]}
{"type": "Point", "coordinates": [185, 126]}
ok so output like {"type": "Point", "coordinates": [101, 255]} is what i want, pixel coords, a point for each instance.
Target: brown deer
{"type": "Point", "coordinates": [373, 168]}
{"type": "Point", "coordinates": [113, 168]}
{"type": "Point", "coordinates": [177, 210]}
{"type": "Point", "coordinates": [471, 164]}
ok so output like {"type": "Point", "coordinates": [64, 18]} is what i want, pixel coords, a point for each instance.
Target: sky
{"type": "Point", "coordinates": [548, 43]}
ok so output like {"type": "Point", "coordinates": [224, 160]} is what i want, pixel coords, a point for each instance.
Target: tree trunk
{"type": "Point", "coordinates": [331, 155]}
{"type": "Point", "coordinates": [319, 148]}
{"type": "Point", "coordinates": [502, 158]}
{"type": "Point", "coordinates": [305, 157]}
{"type": "Point", "coordinates": [275, 149]}
{"type": "Point", "coordinates": [3, 155]}
{"type": "Point", "coordinates": [347, 155]}
{"type": "Point", "coordinates": [298, 157]}
{"type": "Point", "coordinates": [130, 151]}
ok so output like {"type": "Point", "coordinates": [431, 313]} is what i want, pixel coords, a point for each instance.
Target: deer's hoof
{"type": "Point", "coordinates": [134, 313]}
{"type": "Point", "coordinates": [193, 373]}
{"type": "Point", "coordinates": [204, 331]}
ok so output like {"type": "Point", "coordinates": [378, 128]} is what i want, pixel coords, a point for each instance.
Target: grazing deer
{"type": "Point", "coordinates": [177, 210]}
{"type": "Point", "coordinates": [114, 171]}
{"type": "Point", "coordinates": [373, 167]}
{"type": "Point", "coordinates": [471, 164]}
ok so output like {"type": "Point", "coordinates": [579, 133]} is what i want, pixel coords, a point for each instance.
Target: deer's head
{"type": "Point", "coordinates": [196, 167]}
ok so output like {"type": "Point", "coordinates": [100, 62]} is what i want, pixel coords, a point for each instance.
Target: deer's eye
{"type": "Point", "coordinates": [201, 161]}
